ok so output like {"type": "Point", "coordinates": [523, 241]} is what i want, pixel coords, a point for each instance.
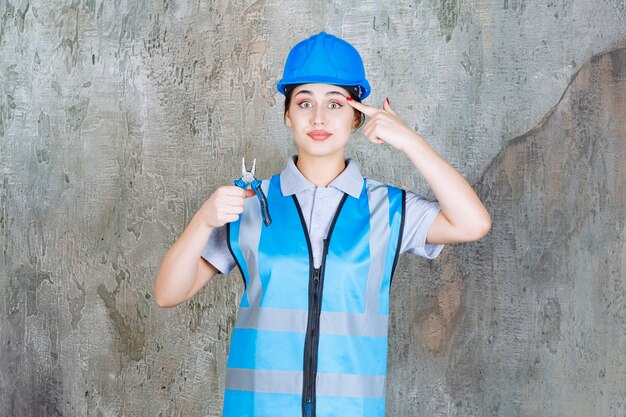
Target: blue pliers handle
{"type": "Point", "coordinates": [248, 178]}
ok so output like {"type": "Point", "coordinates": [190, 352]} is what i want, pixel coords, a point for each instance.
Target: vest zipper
{"type": "Point", "coordinates": [311, 341]}
{"type": "Point", "coordinates": [308, 374]}
{"type": "Point", "coordinates": [313, 334]}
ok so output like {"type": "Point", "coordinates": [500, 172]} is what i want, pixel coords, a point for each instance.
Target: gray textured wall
{"type": "Point", "coordinates": [119, 118]}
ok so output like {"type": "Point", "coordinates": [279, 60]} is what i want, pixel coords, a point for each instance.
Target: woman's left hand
{"type": "Point", "coordinates": [384, 125]}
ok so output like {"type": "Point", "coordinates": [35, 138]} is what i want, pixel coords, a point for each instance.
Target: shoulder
{"type": "Point", "coordinates": [375, 184]}
{"type": "Point", "coordinates": [375, 187]}
{"type": "Point", "coordinates": [409, 196]}
{"type": "Point", "coordinates": [384, 195]}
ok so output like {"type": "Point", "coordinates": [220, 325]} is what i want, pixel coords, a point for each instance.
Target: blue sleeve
{"type": "Point", "coordinates": [419, 215]}
{"type": "Point", "coordinates": [216, 251]}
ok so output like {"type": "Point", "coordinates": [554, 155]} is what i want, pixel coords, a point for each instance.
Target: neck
{"type": "Point", "coordinates": [321, 170]}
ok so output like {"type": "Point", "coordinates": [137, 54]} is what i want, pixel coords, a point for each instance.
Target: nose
{"type": "Point", "coordinates": [318, 116]}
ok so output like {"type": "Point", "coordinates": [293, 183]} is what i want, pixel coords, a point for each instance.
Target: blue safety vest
{"type": "Point", "coordinates": [313, 341]}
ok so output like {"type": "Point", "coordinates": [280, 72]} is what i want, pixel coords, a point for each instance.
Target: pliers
{"type": "Point", "coordinates": [248, 178]}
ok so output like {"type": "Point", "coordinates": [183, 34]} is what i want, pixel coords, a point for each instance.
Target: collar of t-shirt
{"type": "Point", "coordinates": [350, 181]}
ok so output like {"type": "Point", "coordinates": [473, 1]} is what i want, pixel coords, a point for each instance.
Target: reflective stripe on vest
{"type": "Point", "coordinates": [346, 346]}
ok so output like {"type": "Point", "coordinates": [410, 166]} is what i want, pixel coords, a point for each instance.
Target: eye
{"type": "Point", "coordinates": [334, 105]}
{"type": "Point", "coordinates": [305, 104]}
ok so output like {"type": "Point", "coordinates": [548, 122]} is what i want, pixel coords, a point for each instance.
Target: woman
{"type": "Point", "coordinates": [311, 332]}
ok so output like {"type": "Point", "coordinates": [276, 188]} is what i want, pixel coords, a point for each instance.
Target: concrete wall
{"type": "Point", "coordinates": [119, 118]}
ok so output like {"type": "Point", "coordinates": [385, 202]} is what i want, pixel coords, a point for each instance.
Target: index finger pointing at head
{"type": "Point", "coordinates": [363, 108]}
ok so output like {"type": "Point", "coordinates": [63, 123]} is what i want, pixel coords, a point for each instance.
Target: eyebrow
{"type": "Point", "coordinates": [330, 93]}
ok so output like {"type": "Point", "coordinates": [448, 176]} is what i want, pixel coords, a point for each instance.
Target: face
{"type": "Point", "coordinates": [321, 119]}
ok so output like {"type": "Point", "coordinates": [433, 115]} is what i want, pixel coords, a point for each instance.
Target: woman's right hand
{"type": "Point", "coordinates": [224, 205]}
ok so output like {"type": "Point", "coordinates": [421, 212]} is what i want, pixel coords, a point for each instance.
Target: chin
{"type": "Point", "coordinates": [320, 152]}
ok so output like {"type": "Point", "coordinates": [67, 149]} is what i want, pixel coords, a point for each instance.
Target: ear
{"type": "Point", "coordinates": [287, 119]}
{"type": "Point", "coordinates": [356, 122]}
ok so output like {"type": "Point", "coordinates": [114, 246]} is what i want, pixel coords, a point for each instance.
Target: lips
{"type": "Point", "coordinates": [318, 134]}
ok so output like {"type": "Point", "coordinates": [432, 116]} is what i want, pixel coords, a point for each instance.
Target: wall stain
{"type": "Point", "coordinates": [550, 324]}
{"type": "Point", "coordinates": [27, 279]}
{"type": "Point", "coordinates": [75, 115]}
{"type": "Point", "coordinates": [4, 220]}
{"type": "Point", "coordinates": [21, 15]}
{"type": "Point", "coordinates": [130, 328]}
{"type": "Point", "coordinates": [68, 22]}
{"type": "Point", "coordinates": [76, 304]}
{"type": "Point", "coordinates": [447, 12]}
{"type": "Point", "coordinates": [436, 326]}
{"type": "Point", "coordinates": [7, 100]}
{"type": "Point", "coordinates": [548, 257]}
{"type": "Point", "coordinates": [9, 12]}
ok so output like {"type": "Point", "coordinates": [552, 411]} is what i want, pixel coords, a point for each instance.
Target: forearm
{"type": "Point", "coordinates": [459, 203]}
{"type": "Point", "coordinates": [464, 216]}
{"type": "Point", "coordinates": [178, 270]}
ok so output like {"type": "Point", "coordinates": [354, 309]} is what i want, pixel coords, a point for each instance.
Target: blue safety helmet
{"type": "Point", "coordinates": [326, 59]}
